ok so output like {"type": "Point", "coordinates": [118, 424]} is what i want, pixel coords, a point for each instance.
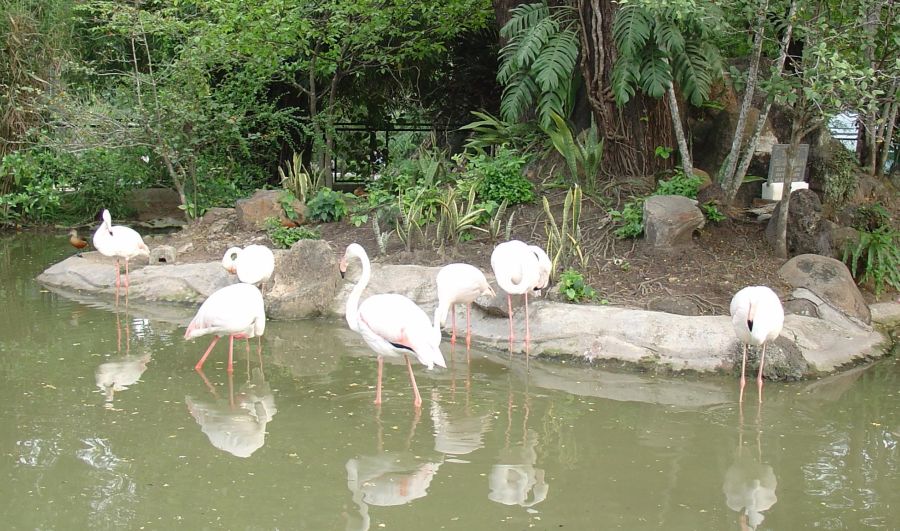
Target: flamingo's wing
{"type": "Point", "coordinates": [400, 322]}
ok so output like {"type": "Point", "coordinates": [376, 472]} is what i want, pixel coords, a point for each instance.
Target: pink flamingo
{"type": "Point", "coordinates": [391, 324]}
{"type": "Point", "coordinates": [253, 264]}
{"type": "Point", "coordinates": [459, 283]}
{"type": "Point", "coordinates": [519, 268]}
{"type": "Point", "coordinates": [757, 317]}
{"type": "Point", "coordinates": [121, 242]}
{"type": "Point", "coordinates": [236, 310]}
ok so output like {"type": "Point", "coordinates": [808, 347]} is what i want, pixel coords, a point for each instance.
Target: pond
{"type": "Point", "coordinates": [106, 424]}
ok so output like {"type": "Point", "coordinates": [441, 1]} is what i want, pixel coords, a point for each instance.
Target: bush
{"type": "Point", "coordinates": [875, 257]}
{"type": "Point", "coordinates": [327, 206]}
{"type": "Point", "coordinates": [285, 237]}
{"type": "Point", "coordinates": [679, 184]}
{"type": "Point", "coordinates": [631, 219]}
{"type": "Point", "coordinates": [572, 285]}
{"type": "Point", "coordinates": [499, 178]}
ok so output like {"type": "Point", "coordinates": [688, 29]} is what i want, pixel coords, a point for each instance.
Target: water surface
{"type": "Point", "coordinates": [105, 424]}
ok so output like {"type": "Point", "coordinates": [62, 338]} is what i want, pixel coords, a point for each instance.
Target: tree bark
{"type": "Point", "coordinates": [631, 133]}
{"type": "Point", "coordinates": [726, 174]}
{"type": "Point", "coordinates": [687, 163]}
{"type": "Point", "coordinates": [886, 131]}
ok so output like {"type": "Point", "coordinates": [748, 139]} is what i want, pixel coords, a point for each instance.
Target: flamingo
{"type": "Point", "coordinates": [757, 317]}
{"type": "Point", "coordinates": [391, 324]}
{"type": "Point", "coordinates": [236, 310]}
{"type": "Point", "coordinates": [253, 264]}
{"type": "Point", "coordinates": [76, 242]}
{"type": "Point", "coordinates": [459, 283]}
{"type": "Point", "coordinates": [518, 270]}
{"type": "Point", "coordinates": [121, 242]}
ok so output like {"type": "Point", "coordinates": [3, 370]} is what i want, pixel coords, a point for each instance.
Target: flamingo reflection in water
{"type": "Point", "coordinates": [515, 480]}
{"type": "Point", "coordinates": [387, 478]}
{"type": "Point", "coordinates": [119, 373]}
{"type": "Point", "coordinates": [749, 485]}
{"type": "Point", "coordinates": [236, 425]}
{"type": "Point", "coordinates": [457, 430]}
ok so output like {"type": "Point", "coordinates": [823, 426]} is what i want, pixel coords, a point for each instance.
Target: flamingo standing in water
{"type": "Point", "coordinates": [519, 269]}
{"type": "Point", "coordinates": [236, 311]}
{"type": "Point", "coordinates": [757, 317]}
{"type": "Point", "coordinates": [121, 242]}
{"type": "Point", "coordinates": [253, 264]}
{"type": "Point", "coordinates": [391, 324]}
{"type": "Point", "coordinates": [459, 283]}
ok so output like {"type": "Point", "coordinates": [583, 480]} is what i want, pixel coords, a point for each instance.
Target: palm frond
{"type": "Point", "coordinates": [631, 29]}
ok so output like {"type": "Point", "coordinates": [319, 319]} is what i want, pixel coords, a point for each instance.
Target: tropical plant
{"type": "Point", "coordinates": [327, 206]}
{"type": "Point", "coordinates": [583, 155]}
{"type": "Point", "coordinates": [537, 65]}
{"type": "Point", "coordinates": [412, 218]}
{"type": "Point", "coordinates": [298, 179]}
{"type": "Point", "coordinates": [630, 219]}
{"type": "Point", "coordinates": [499, 178]}
{"type": "Point", "coordinates": [489, 131]}
{"type": "Point", "coordinates": [285, 237]}
{"type": "Point", "coordinates": [875, 257]}
{"type": "Point", "coordinates": [840, 177]}
{"type": "Point", "coordinates": [495, 223]}
{"type": "Point", "coordinates": [456, 218]}
{"type": "Point", "coordinates": [574, 288]}
{"type": "Point", "coordinates": [712, 212]}
{"type": "Point", "coordinates": [679, 184]}
{"type": "Point", "coordinates": [564, 238]}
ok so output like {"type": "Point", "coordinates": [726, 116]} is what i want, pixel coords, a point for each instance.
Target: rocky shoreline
{"type": "Point", "coordinates": [824, 331]}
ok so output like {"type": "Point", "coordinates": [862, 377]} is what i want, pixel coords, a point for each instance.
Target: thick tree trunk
{"type": "Point", "coordinates": [632, 132]}
{"type": "Point", "coordinates": [687, 162]}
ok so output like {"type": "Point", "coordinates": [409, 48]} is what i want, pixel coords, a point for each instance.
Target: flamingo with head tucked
{"type": "Point", "coordinates": [120, 242]}
{"type": "Point", "coordinates": [519, 270]}
{"type": "Point", "coordinates": [757, 317]}
{"type": "Point", "coordinates": [459, 284]}
{"type": "Point", "coordinates": [391, 324]}
{"type": "Point", "coordinates": [236, 311]}
{"type": "Point", "coordinates": [253, 264]}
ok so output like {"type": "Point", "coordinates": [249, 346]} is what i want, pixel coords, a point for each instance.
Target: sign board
{"type": "Point", "coordinates": [778, 163]}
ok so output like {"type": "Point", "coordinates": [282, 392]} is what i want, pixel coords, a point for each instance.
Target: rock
{"type": "Point", "coordinates": [305, 281]}
{"type": "Point", "coordinates": [675, 305]}
{"type": "Point", "coordinates": [154, 203]}
{"type": "Point", "coordinates": [670, 220]}
{"type": "Point", "coordinates": [162, 254]}
{"type": "Point", "coordinates": [807, 231]}
{"type": "Point", "coordinates": [498, 305]}
{"type": "Point", "coordinates": [784, 361]}
{"type": "Point", "coordinates": [253, 211]}
{"type": "Point", "coordinates": [841, 238]}
{"type": "Point", "coordinates": [801, 307]}
{"type": "Point", "coordinates": [830, 282]}
{"type": "Point", "coordinates": [886, 314]}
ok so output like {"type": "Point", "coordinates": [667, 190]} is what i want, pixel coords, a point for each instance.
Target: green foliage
{"type": "Point", "coordinates": [499, 178]}
{"type": "Point", "coordinates": [583, 155]}
{"type": "Point", "coordinates": [573, 286]}
{"type": "Point", "coordinates": [538, 63]}
{"type": "Point", "coordinates": [301, 182]}
{"type": "Point", "coordinates": [840, 177]}
{"type": "Point", "coordinates": [286, 200]}
{"type": "Point", "coordinates": [870, 218]}
{"type": "Point", "coordinates": [285, 237]}
{"type": "Point", "coordinates": [679, 184]}
{"type": "Point", "coordinates": [875, 257]}
{"type": "Point", "coordinates": [489, 131]}
{"type": "Point", "coordinates": [457, 219]}
{"type": "Point", "coordinates": [630, 219]}
{"type": "Point", "coordinates": [327, 206]}
{"type": "Point", "coordinates": [564, 238]}
{"type": "Point", "coordinates": [712, 212]}
{"type": "Point", "coordinates": [412, 218]}
{"type": "Point", "coordinates": [663, 43]}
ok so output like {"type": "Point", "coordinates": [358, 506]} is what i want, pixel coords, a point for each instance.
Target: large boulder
{"type": "Point", "coordinates": [253, 211]}
{"type": "Point", "coordinates": [305, 281]}
{"type": "Point", "coordinates": [670, 220]}
{"type": "Point", "coordinates": [826, 283]}
{"type": "Point", "coordinates": [807, 231]}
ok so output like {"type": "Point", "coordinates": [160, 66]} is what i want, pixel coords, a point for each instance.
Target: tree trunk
{"type": "Point", "coordinates": [867, 144]}
{"type": "Point", "coordinates": [726, 174]}
{"type": "Point", "coordinates": [633, 132]}
{"type": "Point", "coordinates": [687, 162]}
{"type": "Point", "coordinates": [886, 131]}
{"type": "Point", "coordinates": [731, 187]}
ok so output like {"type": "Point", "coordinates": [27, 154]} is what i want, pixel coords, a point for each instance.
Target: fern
{"type": "Point", "coordinates": [631, 29]}
{"type": "Point", "coordinates": [538, 63]}
{"type": "Point", "coordinates": [656, 75]}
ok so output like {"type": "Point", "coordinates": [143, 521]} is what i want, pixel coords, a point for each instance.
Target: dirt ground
{"type": "Point", "coordinates": [698, 279]}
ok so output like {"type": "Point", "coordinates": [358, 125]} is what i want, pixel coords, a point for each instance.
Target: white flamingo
{"type": "Point", "coordinates": [518, 271]}
{"type": "Point", "coordinates": [757, 317]}
{"type": "Point", "coordinates": [391, 324]}
{"type": "Point", "coordinates": [253, 264]}
{"type": "Point", "coordinates": [236, 311]}
{"type": "Point", "coordinates": [459, 284]}
{"type": "Point", "coordinates": [120, 242]}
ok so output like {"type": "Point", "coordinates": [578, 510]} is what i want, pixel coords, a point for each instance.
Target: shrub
{"type": "Point", "coordinates": [285, 237]}
{"type": "Point", "coordinates": [840, 177]}
{"type": "Point", "coordinates": [327, 206]}
{"type": "Point", "coordinates": [500, 177]}
{"type": "Point", "coordinates": [631, 219]}
{"type": "Point", "coordinates": [712, 212]}
{"type": "Point", "coordinates": [679, 184]}
{"type": "Point", "coordinates": [875, 257]}
{"type": "Point", "coordinates": [572, 285]}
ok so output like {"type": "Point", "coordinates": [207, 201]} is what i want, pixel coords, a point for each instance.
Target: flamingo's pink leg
{"type": "Point", "coordinates": [743, 378]}
{"type": "Point", "coordinates": [378, 386]}
{"type": "Point", "coordinates": [527, 329]}
{"type": "Point", "coordinates": [453, 317]}
{"type": "Point", "coordinates": [509, 308]}
{"type": "Point", "coordinates": [199, 364]}
{"type": "Point", "coordinates": [230, 354]}
{"type": "Point", "coordinates": [468, 330]}
{"type": "Point", "coordinates": [417, 401]}
{"type": "Point", "coordinates": [759, 376]}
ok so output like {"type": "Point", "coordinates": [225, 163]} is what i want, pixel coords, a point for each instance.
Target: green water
{"type": "Point", "coordinates": [295, 442]}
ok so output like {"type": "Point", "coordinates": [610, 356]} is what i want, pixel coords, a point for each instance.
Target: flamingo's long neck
{"type": "Point", "coordinates": [352, 310]}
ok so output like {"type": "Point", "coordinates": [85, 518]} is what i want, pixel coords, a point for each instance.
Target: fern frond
{"type": "Point", "coordinates": [694, 74]}
{"type": "Point", "coordinates": [518, 95]}
{"type": "Point", "coordinates": [656, 75]}
{"type": "Point", "coordinates": [533, 40]}
{"type": "Point", "coordinates": [524, 16]}
{"type": "Point", "coordinates": [626, 75]}
{"type": "Point", "coordinates": [631, 29]}
{"type": "Point", "coordinates": [668, 36]}
{"type": "Point", "coordinates": [556, 62]}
